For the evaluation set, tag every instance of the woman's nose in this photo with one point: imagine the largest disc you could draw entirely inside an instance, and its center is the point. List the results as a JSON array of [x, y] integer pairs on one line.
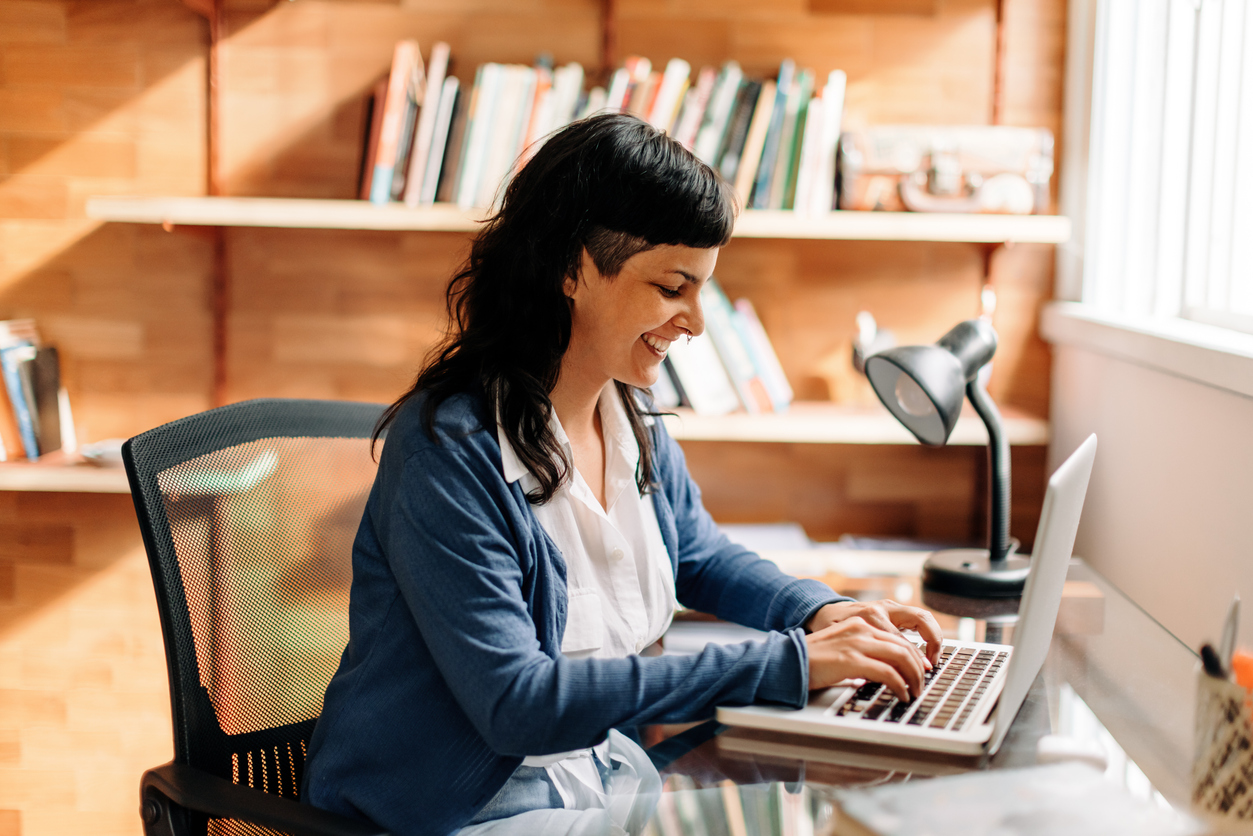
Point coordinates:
[[692, 319]]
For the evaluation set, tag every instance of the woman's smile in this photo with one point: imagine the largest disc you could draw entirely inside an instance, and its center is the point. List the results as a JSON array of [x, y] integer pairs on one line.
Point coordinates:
[[658, 345]]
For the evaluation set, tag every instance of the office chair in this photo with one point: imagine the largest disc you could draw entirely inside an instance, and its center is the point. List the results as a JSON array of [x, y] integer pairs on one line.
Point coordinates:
[[248, 515]]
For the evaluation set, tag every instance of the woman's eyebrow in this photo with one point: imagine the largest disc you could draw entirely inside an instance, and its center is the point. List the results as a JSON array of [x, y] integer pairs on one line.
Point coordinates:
[[687, 276]]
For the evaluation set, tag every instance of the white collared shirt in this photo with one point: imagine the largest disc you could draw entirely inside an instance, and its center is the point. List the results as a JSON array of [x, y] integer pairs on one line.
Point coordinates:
[[619, 578]]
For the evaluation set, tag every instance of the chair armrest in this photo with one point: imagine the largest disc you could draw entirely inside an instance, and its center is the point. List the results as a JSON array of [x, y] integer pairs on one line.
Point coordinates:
[[198, 791]]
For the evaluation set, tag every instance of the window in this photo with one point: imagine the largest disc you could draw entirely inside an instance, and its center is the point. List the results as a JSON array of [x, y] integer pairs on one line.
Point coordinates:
[[1170, 180]]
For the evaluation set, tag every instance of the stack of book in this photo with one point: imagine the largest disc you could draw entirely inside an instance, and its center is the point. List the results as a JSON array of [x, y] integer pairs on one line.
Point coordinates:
[[34, 410], [731, 366], [429, 138]]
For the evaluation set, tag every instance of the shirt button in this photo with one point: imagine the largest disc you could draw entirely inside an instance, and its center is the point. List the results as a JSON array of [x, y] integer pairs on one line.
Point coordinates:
[[617, 554]]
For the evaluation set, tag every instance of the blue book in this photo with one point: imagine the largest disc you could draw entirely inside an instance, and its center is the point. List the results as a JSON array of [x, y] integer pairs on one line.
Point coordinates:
[[770, 152], [11, 359]]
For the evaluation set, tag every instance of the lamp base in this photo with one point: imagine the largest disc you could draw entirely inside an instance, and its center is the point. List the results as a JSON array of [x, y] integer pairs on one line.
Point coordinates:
[[969, 573]]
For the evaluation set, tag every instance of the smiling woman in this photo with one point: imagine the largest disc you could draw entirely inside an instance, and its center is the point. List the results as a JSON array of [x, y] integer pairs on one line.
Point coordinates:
[[532, 529]]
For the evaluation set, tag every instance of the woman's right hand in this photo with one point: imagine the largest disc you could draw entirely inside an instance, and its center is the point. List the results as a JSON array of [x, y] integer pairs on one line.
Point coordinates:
[[854, 649]]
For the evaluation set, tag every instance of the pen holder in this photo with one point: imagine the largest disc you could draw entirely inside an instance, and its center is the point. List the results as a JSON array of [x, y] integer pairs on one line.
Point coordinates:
[[1222, 765]]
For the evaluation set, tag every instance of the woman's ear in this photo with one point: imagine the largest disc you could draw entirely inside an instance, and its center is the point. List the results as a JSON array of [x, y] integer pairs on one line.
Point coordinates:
[[587, 268]]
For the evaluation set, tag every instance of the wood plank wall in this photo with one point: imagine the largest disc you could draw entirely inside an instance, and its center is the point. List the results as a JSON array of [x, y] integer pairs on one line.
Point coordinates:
[[108, 96]]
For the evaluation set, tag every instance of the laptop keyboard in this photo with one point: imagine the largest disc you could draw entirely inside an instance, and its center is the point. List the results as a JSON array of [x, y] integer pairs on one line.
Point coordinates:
[[951, 691]]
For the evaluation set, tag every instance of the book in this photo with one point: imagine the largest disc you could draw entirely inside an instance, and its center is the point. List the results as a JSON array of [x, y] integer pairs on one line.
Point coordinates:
[[787, 188], [567, 85], [45, 373], [751, 158], [13, 332], [670, 90], [508, 121], [676, 383], [760, 197], [439, 140], [665, 396], [703, 378], [732, 350], [637, 69], [541, 106], [21, 397], [694, 104], [405, 78], [809, 158], [437, 69], [764, 355], [400, 171], [787, 132], [487, 83], [822, 199], [728, 155], [616, 94], [595, 103], [450, 166], [714, 122], [643, 94], [369, 148]]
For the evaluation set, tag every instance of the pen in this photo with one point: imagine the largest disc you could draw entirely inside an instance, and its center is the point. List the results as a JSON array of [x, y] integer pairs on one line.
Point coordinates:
[[1209, 660], [1227, 646]]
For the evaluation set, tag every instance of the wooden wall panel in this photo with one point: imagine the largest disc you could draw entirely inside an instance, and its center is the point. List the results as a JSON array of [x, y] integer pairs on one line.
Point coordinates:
[[109, 97], [105, 98], [897, 491], [84, 699]]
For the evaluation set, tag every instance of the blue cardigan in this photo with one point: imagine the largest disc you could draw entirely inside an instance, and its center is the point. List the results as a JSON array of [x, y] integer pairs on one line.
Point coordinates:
[[453, 671]]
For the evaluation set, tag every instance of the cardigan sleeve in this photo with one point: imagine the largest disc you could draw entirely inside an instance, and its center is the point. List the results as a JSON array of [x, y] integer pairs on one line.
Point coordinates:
[[458, 562], [723, 578]]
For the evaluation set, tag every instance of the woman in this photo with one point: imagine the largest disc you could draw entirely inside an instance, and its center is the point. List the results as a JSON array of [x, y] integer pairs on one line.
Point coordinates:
[[531, 527]]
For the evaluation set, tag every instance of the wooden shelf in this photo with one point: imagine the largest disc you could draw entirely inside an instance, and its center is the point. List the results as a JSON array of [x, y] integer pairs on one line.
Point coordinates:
[[359, 214], [64, 477], [826, 423]]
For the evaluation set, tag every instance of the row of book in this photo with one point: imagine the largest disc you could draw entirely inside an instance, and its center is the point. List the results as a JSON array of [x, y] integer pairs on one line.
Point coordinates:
[[430, 138], [35, 416], [731, 366]]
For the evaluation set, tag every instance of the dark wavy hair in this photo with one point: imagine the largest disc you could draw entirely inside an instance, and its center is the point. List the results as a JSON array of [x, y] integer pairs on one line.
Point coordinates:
[[611, 184]]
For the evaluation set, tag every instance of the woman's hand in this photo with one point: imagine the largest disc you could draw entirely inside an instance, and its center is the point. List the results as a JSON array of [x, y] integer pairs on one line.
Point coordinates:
[[855, 648], [886, 615], [863, 639]]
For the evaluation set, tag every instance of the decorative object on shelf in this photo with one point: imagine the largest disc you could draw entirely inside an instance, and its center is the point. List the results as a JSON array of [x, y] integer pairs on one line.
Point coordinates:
[[922, 386], [985, 168]]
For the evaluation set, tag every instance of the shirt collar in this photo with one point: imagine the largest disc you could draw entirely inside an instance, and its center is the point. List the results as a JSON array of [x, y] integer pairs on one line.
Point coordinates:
[[619, 440]]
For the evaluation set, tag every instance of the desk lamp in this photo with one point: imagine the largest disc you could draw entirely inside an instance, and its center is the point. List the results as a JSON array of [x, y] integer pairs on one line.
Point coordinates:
[[922, 386]]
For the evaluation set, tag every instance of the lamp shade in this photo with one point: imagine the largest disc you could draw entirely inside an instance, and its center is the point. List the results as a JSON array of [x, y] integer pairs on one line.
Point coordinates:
[[923, 385]]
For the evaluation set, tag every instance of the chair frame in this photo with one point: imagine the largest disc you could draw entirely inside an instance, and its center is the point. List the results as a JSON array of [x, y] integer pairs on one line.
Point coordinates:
[[173, 795]]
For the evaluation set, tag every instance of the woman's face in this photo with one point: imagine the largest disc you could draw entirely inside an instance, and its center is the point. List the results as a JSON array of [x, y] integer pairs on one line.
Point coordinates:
[[621, 327]]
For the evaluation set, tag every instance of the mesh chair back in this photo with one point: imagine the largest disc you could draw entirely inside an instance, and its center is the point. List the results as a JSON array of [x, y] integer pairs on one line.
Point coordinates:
[[248, 514]]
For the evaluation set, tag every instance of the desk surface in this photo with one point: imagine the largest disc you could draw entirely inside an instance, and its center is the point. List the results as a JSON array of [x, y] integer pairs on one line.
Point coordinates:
[[1113, 676]]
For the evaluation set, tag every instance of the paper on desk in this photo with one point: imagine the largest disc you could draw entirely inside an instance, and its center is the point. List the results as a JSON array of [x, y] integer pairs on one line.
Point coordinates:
[[1061, 800]]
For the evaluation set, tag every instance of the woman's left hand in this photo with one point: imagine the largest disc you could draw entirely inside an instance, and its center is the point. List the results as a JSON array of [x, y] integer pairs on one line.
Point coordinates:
[[886, 615]]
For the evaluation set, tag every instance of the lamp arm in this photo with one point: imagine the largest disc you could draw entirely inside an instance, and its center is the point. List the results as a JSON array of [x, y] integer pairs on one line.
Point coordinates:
[[998, 471]]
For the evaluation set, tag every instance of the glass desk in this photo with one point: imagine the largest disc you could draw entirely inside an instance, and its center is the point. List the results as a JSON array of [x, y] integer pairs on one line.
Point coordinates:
[[1114, 678]]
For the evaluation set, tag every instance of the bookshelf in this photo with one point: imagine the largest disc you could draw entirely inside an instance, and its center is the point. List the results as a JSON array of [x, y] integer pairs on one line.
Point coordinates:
[[816, 422], [804, 423], [295, 213], [63, 477]]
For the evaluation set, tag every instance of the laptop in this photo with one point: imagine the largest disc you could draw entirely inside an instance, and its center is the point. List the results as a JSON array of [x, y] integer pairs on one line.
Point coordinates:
[[972, 695]]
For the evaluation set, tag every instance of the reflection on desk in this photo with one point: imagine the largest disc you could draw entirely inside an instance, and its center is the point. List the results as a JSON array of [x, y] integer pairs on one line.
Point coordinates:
[[1114, 678]]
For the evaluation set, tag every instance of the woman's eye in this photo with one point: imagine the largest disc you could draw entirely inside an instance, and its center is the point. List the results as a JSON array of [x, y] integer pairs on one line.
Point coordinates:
[[670, 292]]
